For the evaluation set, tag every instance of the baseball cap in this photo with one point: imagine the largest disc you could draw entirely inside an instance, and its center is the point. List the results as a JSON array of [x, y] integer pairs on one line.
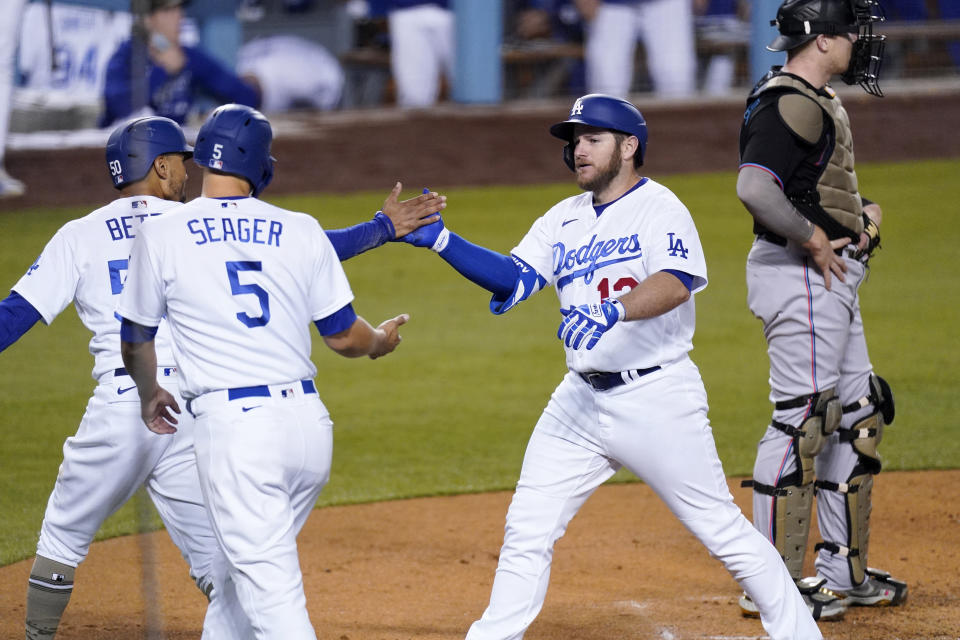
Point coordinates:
[[157, 5]]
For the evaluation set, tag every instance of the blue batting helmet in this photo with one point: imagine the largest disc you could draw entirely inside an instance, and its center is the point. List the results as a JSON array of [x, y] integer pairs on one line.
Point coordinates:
[[132, 147], [236, 139], [606, 112]]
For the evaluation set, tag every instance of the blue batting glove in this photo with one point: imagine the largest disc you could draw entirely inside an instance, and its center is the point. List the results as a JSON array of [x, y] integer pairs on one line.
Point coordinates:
[[433, 236], [424, 236], [586, 324]]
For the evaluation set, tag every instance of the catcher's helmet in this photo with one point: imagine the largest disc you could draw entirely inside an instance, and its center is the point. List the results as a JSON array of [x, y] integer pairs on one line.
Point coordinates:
[[800, 21], [606, 112], [236, 139], [132, 147]]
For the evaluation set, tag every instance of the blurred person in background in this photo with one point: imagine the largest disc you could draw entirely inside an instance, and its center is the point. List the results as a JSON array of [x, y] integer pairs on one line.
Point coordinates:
[[666, 29], [61, 64], [290, 72], [919, 10], [175, 75], [556, 21], [718, 23], [421, 48], [9, 34]]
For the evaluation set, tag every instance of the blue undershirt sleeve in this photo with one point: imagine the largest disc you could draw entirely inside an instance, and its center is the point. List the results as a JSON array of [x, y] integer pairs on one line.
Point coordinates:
[[337, 321], [16, 317], [493, 271], [130, 331], [354, 240], [683, 276]]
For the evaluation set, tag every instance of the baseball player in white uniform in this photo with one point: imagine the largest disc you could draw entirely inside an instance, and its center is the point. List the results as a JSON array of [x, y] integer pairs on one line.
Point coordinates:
[[292, 73], [239, 281], [666, 28], [422, 49], [10, 19], [625, 259], [65, 48], [112, 455]]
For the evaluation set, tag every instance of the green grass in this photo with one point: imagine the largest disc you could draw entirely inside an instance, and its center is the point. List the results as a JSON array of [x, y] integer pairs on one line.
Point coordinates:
[[451, 410]]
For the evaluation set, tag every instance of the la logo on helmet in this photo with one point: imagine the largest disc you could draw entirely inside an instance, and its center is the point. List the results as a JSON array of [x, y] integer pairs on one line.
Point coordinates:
[[577, 107]]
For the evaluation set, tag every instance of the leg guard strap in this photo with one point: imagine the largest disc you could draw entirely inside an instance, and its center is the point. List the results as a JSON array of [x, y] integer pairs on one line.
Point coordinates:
[[880, 396], [864, 437], [791, 526], [857, 491]]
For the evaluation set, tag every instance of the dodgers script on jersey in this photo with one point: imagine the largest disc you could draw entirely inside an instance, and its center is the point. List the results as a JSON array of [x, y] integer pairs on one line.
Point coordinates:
[[226, 252], [589, 258], [86, 263]]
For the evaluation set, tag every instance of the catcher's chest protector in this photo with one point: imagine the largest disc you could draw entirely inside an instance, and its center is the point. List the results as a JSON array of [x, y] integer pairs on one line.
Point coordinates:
[[837, 187]]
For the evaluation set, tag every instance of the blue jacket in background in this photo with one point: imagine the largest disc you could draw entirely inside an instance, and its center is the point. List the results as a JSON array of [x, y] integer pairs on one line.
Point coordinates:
[[171, 96]]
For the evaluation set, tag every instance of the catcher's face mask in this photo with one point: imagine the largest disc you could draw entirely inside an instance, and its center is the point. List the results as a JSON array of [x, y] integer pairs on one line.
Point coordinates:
[[799, 21], [867, 55]]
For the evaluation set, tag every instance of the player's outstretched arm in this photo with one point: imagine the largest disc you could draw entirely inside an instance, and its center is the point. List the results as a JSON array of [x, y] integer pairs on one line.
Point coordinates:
[[157, 405], [16, 317], [396, 219], [493, 271], [361, 339]]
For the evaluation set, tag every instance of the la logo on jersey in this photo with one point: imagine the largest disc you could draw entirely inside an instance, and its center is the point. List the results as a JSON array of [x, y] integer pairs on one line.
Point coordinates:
[[676, 247], [34, 266], [577, 108]]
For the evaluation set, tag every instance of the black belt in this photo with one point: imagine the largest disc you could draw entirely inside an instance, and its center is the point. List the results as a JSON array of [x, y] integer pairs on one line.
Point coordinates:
[[772, 237], [602, 381], [850, 249]]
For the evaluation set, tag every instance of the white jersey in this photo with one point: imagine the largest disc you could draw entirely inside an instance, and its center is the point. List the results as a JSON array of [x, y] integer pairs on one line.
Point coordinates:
[[84, 38], [293, 72], [260, 274], [85, 263], [587, 259]]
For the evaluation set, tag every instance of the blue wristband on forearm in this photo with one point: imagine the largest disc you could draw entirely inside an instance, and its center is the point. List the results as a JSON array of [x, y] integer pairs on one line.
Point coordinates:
[[354, 240]]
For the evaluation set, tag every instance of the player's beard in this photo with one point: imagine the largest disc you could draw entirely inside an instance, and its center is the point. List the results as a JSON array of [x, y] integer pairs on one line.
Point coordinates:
[[605, 175]]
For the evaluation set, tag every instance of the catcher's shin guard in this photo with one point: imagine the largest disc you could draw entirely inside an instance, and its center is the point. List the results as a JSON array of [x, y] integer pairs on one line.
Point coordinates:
[[793, 494], [864, 436], [857, 493]]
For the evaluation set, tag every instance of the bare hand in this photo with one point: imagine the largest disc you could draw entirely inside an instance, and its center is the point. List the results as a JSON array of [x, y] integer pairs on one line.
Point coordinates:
[[414, 213], [156, 411], [390, 338], [822, 250]]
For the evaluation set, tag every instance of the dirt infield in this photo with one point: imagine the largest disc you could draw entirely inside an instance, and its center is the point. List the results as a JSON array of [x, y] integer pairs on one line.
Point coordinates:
[[423, 568]]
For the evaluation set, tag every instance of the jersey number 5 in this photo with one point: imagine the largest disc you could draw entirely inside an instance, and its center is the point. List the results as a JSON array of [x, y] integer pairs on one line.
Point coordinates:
[[237, 289]]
